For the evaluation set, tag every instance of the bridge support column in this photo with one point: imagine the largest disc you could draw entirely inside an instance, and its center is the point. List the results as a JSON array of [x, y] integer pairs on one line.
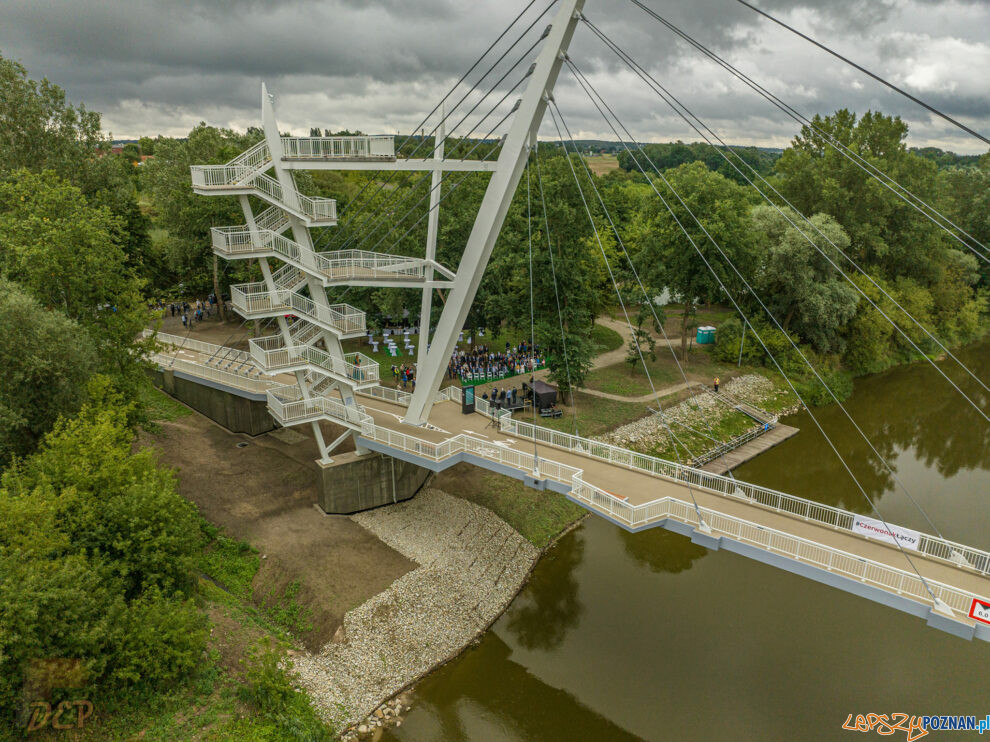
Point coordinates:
[[353, 482]]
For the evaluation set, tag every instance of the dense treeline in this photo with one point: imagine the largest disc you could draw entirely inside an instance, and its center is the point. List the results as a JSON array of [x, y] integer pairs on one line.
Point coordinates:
[[675, 154], [99, 553], [744, 250], [88, 238]]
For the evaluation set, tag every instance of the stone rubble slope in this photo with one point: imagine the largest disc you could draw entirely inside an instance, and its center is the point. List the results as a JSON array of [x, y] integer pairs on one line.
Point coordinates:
[[651, 432], [472, 564]]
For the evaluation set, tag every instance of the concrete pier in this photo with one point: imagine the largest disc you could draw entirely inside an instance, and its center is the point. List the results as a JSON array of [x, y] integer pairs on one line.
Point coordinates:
[[238, 410], [352, 483]]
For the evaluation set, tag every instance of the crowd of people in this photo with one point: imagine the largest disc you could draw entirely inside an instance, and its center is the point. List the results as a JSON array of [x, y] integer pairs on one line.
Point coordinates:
[[188, 313], [482, 363], [404, 376]]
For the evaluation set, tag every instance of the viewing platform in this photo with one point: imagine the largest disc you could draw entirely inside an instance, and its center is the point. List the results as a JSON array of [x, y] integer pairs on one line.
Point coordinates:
[[227, 180], [273, 356]]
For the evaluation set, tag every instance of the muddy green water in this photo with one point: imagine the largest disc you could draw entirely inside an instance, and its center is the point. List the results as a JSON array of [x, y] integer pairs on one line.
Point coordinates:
[[628, 636]]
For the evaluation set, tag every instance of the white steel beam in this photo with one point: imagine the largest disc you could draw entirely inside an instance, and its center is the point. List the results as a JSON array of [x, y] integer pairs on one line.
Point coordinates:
[[426, 305], [300, 233], [494, 206], [480, 166]]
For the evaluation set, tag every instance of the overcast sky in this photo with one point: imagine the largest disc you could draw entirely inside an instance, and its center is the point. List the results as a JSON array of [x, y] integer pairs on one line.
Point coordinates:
[[161, 66]]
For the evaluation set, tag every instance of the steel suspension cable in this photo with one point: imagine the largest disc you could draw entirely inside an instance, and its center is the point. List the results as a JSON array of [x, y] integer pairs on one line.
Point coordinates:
[[426, 174], [532, 313], [862, 433], [440, 183], [665, 94], [885, 180], [671, 100], [773, 358], [556, 293], [450, 113], [649, 302], [663, 418], [865, 71]]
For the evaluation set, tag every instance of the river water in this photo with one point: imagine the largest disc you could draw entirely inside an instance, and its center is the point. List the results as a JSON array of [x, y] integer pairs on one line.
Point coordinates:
[[648, 636]]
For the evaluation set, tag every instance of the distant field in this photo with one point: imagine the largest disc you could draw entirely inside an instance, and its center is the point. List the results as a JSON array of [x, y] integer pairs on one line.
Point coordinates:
[[601, 164]]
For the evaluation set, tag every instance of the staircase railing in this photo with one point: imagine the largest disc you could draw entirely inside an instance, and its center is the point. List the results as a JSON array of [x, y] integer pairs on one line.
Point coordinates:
[[254, 298], [272, 354]]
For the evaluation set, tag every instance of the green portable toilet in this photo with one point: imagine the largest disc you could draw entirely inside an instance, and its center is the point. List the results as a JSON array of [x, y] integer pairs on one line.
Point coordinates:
[[706, 335]]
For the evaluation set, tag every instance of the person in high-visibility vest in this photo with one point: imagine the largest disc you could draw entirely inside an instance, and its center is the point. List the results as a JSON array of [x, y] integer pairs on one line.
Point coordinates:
[[716, 385]]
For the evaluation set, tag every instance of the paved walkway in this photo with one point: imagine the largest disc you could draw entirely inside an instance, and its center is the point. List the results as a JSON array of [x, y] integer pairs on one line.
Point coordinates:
[[647, 398], [635, 487]]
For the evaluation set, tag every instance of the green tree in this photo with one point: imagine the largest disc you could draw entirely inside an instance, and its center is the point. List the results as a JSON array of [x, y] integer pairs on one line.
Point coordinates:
[[97, 550], [186, 216], [147, 146], [884, 231], [46, 360], [66, 252], [805, 293], [132, 152], [40, 130], [665, 257], [964, 196]]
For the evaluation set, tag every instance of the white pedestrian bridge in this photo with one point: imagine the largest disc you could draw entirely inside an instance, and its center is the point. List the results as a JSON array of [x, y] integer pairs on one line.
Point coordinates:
[[944, 582]]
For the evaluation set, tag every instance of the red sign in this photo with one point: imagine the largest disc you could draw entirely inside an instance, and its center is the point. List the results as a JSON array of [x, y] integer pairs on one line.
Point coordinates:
[[980, 610]]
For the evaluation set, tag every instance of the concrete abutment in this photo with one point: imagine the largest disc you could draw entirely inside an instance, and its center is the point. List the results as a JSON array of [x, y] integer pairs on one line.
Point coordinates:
[[352, 482]]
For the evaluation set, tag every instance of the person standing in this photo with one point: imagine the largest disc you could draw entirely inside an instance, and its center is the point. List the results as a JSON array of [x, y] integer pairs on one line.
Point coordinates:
[[716, 385]]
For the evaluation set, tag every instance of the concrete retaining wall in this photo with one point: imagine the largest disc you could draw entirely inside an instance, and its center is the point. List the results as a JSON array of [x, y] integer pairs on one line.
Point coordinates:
[[237, 410], [353, 483]]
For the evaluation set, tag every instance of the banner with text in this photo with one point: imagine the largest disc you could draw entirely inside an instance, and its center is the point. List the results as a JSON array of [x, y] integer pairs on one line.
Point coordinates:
[[895, 534]]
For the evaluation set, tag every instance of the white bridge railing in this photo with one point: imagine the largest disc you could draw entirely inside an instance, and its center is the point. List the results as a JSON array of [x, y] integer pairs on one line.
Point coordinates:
[[289, 407], [201, 370], [836, 561], [272, 355], [330, 148], [255, 299], [221, 177], [832, 560], [809, 510]]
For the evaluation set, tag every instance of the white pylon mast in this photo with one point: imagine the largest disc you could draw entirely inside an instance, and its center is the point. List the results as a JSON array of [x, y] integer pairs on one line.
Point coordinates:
[[494, 205], [426, 306]]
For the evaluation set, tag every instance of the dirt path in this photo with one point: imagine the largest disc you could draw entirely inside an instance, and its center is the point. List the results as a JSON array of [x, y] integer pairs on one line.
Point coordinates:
[[265, 493], [612, 357], [651, 397]]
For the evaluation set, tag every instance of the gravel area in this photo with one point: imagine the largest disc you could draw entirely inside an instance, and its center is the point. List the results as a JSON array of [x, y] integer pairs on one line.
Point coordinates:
[[472, 564], [650, 432]]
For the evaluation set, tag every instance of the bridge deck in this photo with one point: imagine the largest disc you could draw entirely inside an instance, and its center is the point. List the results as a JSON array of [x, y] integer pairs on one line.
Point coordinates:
[[766, 534], [638, 487]]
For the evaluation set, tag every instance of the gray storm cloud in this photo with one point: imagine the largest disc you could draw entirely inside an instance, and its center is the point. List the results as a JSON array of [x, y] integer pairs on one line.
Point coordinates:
[[161, 66]]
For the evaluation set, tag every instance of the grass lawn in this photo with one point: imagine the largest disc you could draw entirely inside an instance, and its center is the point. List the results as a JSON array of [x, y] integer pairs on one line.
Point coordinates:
[[605, 339], [210, 705], [732, 424], [594, 415], [629, 381], [539, 516], [161, 407]]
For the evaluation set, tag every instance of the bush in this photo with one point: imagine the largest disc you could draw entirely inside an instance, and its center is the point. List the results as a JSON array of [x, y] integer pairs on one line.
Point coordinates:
[[97, 550], [46, 360], [272, 690]]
